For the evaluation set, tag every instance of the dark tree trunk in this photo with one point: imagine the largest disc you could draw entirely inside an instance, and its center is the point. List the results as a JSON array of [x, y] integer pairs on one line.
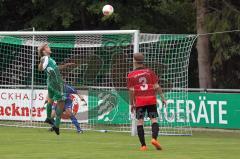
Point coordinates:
[[83, 19], [204, 62]]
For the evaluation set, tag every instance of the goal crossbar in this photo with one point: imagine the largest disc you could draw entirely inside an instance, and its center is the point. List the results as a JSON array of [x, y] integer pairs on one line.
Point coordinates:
[[95, 32]]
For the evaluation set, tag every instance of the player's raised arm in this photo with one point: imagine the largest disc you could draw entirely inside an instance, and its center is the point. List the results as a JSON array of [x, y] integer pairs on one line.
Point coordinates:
[[65, 66], [43, 63]]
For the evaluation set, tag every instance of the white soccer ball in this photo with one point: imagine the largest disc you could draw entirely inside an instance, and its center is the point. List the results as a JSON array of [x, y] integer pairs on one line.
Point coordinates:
[[107, 10]]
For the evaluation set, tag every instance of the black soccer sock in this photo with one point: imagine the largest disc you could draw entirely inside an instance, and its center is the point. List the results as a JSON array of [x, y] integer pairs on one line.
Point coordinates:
[[141, 137], [155, 130]]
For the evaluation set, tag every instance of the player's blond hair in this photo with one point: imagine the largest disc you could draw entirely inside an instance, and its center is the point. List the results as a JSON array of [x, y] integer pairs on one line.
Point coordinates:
[[41, 48]]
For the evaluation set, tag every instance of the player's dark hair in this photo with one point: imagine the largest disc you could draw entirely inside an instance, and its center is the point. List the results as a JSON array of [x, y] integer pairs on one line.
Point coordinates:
[[139, 58]]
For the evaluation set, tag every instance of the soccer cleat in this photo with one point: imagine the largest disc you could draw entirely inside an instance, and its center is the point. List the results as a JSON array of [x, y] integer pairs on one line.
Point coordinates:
[[143, 148], [156, 144], [80, 131], [56, 130]]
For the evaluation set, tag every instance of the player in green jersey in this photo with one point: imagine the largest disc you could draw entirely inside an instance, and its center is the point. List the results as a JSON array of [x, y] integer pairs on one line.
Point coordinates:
[[55, 83], [49, 102]]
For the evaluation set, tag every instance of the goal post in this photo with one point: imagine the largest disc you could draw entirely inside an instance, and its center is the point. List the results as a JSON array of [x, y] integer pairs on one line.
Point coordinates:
[[102, 60], [133, 115]]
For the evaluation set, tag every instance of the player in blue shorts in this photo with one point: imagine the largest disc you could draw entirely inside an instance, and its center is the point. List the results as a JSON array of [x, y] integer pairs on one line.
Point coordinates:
[[68, 107]]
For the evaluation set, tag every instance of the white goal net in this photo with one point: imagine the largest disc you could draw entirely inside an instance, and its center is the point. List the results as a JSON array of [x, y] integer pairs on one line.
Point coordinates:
[[102, 60]]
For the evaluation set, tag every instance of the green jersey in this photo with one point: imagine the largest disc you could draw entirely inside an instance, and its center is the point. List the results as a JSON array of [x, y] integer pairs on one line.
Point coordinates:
[[55, 82]]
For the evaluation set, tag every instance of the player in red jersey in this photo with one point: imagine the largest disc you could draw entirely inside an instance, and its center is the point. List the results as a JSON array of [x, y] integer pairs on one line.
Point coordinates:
[[143, 88]]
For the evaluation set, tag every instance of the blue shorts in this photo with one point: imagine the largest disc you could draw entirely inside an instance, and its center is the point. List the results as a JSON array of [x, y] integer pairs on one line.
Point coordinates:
[[67, 105], [68, 90]]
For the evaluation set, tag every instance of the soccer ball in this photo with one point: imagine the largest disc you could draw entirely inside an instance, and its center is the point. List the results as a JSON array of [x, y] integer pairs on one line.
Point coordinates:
[[107, 10]]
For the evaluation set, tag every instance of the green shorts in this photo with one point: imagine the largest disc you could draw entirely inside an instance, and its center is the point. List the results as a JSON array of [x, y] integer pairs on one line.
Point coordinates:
[[56, 94]]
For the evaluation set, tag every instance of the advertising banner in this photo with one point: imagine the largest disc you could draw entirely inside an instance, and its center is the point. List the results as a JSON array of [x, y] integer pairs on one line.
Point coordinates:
[[108, 107], [213, 110], [25, 105], [22, 104]]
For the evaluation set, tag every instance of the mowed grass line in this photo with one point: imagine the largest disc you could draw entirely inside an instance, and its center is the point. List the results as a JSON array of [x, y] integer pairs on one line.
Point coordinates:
[[24, 143]]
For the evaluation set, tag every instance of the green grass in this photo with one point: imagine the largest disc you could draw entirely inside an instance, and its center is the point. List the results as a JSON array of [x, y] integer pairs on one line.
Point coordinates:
[[16, 143]]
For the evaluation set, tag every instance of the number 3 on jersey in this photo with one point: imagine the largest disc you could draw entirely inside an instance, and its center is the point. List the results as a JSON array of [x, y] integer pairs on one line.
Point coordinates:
[[143, 82]]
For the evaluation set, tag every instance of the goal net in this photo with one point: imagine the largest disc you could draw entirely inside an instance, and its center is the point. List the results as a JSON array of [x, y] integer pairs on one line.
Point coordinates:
[[102, 61]]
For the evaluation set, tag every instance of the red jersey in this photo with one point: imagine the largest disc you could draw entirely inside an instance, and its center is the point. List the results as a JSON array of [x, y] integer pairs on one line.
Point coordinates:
[[143, 81]]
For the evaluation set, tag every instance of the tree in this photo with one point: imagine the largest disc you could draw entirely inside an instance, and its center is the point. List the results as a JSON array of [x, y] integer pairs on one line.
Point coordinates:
[[204, 62], [224, 15]]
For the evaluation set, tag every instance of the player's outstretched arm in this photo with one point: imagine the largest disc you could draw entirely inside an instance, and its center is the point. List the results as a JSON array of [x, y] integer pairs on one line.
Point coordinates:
[[67, 65], [82, 99]]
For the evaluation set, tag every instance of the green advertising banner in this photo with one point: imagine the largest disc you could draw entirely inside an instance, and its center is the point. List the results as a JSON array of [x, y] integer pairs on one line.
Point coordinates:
[[108, 107], [213, 110]]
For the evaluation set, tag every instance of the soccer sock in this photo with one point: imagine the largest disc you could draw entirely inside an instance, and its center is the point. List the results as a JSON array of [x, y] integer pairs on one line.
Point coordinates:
[[141, 137], [74, 121], [49, 110], [155, 130], [58, 117]]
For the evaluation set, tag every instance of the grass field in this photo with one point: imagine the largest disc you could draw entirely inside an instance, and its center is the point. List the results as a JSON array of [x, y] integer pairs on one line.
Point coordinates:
[[16, 143]]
